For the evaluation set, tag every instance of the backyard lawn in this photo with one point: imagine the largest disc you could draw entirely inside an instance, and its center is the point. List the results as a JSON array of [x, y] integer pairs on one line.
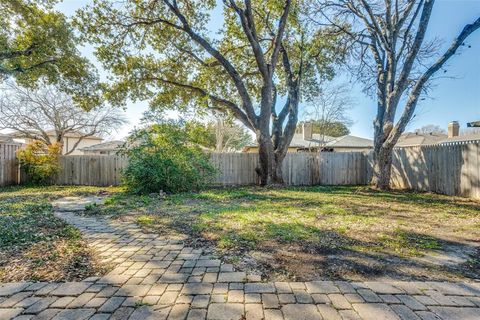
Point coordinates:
[[320, 232], [351, 233], [34, 244]]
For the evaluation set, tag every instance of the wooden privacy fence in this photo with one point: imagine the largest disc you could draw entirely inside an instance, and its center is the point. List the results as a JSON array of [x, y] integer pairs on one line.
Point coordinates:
[[8, 164], [90, 170], [233, 169], [452, 169], [327, 168]]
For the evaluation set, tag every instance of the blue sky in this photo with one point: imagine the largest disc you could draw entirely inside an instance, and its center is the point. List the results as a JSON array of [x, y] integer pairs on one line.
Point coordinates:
[[451, 99]]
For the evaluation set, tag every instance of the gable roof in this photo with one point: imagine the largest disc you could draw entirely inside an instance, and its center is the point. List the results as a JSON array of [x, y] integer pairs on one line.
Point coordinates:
[[317, 139], [461, 138], [73, 134], [410, 139], [6, 138], [349, 141], [104, 146]]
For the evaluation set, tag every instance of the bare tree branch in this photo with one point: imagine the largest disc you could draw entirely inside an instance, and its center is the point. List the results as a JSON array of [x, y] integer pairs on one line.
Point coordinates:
[[46, 112]]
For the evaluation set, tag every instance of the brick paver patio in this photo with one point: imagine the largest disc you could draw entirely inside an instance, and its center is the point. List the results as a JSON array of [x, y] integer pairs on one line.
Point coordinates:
[[155, 277]]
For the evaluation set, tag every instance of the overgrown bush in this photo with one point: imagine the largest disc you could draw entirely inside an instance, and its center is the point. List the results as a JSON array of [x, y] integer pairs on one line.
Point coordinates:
[[40, 161], [162, 157]]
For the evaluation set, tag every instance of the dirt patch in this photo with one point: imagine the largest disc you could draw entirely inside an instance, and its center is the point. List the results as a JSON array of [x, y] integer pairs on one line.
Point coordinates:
[[294, 264], [315, 233], [37, 246], [59, 260]]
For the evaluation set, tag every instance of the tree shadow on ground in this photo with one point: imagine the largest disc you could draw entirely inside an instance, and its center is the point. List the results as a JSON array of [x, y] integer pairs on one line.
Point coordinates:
[[297, 250], [289, 253]]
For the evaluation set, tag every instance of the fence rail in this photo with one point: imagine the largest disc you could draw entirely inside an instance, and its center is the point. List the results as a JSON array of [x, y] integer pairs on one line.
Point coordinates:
[[8, 164], [452, 169]]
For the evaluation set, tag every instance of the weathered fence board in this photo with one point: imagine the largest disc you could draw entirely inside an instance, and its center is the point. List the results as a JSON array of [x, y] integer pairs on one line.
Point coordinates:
[[452, 169], [298, 168], [90, 170], [8, 164], [233, 169]]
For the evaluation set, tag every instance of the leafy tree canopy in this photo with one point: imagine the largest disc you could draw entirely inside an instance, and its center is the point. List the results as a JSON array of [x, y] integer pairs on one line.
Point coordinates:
[[153, 54], [200, 134], [166, 52], [40, 161], [38, 42]]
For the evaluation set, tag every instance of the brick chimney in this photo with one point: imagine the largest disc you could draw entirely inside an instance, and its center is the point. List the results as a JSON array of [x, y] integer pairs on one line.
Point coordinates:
[[453, 129], [307, 130]]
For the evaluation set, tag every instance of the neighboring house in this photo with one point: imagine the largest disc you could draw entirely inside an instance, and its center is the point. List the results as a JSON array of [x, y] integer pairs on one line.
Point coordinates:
[[6, 138], [412, 139], [104, 148], [348, 143], [307, 141], [69, 141], [455, 136]]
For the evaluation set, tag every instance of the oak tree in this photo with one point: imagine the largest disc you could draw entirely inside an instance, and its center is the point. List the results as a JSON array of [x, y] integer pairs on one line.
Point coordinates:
[[37, 42], [256, 67]]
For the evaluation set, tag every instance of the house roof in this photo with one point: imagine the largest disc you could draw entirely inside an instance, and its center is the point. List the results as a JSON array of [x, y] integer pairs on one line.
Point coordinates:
[[347, 141], [73, 134], [6, 138], [299, 141], [104, 146], [67, 135], [461, 138], [410, 139], [350, 141]]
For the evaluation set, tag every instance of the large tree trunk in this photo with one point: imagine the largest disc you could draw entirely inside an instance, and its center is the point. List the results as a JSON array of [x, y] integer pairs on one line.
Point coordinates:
[[382, 168], [278, 167], [270, 167]]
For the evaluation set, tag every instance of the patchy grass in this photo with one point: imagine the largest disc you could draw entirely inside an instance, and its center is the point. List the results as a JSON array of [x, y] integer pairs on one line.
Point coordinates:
[[320, 232], [37, 246]]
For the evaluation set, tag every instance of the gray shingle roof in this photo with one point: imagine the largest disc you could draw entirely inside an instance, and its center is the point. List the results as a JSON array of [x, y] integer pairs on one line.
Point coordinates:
[[317, 139], [410, 139], [350, 141], [104, 146], [6, 138], [462, 138], [347, 141], [52, 133]]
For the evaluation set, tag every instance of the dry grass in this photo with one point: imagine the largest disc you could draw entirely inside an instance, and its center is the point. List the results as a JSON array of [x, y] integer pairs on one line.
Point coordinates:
[[37, 246], [321, 232]]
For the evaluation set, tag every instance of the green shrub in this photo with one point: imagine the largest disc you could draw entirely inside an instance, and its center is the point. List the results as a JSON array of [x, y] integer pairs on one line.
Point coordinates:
[[40, 161], [162, 157]]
